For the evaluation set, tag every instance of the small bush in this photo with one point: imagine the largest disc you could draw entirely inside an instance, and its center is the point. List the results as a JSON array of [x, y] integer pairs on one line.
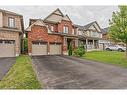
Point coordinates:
[[25, 45], [80, 51]]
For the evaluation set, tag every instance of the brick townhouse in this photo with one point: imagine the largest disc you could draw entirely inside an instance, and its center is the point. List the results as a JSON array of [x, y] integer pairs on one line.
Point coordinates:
[[51, 35]]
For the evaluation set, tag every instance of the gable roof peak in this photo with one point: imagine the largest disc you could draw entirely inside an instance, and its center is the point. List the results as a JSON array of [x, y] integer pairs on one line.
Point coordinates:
[[38, 22], [66, 17], [89, 24], [58, 12], [55, 16]]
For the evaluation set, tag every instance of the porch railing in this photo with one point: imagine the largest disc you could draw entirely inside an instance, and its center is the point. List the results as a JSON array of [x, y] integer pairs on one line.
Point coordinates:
[[90, 47]]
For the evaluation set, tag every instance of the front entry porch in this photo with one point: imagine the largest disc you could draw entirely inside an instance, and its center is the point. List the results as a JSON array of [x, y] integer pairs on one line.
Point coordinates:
[[90, 44], [67, 41]]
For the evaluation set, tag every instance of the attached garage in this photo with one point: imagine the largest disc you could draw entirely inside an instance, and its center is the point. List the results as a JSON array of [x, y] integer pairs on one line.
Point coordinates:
[[7, 48], [55, 48], [39, 48]]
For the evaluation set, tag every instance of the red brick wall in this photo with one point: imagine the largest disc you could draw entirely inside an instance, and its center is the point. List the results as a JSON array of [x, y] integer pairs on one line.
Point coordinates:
[[54, 25], [41, 33], [65, 23]]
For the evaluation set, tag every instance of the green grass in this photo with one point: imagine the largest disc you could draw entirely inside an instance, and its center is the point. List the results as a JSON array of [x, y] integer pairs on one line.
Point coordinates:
[[110, 57], [21, 75]]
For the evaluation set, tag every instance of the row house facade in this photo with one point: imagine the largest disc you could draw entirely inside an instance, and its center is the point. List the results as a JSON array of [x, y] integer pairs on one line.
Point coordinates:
[[55, 33], [11, 33], [107, 40], [90, 35]]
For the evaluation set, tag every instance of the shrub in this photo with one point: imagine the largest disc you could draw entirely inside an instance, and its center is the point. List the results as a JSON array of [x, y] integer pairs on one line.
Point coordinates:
[[80, 51], [25, 45], [70, 50]]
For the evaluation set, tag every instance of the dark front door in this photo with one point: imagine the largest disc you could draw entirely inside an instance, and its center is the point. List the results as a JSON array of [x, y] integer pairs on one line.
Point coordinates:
[[69, 42]]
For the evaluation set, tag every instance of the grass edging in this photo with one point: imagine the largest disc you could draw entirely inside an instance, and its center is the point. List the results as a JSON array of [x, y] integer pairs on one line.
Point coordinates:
[[108, 57], [21, 75]]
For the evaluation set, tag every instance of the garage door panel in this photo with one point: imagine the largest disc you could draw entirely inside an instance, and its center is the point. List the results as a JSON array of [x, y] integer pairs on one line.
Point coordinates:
[[55, 49], [7, 50], [39, 49]]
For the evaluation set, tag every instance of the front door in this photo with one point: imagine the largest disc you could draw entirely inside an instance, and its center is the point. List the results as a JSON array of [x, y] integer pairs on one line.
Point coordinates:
[[69, 42]]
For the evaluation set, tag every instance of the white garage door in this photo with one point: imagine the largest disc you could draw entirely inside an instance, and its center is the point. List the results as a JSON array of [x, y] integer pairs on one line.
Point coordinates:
[[7, 48], [55, 49], [39, 49]]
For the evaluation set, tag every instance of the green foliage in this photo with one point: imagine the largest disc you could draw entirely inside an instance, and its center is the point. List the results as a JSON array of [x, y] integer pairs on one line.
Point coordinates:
[[118, 25], [80, 51], [25, 45], [21, 75], [107, 57], [70, 50]]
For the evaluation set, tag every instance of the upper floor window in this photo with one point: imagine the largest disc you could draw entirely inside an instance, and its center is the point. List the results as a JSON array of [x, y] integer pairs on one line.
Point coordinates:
[[11, 22], [65, 29], [49, 30], [80, 32], [52, 28], [95, 34]]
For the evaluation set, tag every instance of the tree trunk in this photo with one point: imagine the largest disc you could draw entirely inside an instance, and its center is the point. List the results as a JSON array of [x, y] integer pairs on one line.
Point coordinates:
[[126, 49]]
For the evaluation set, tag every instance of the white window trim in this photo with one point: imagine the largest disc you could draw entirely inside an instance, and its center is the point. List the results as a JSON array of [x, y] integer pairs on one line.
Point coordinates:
[[65, 29], [11, 22], [52, 28]]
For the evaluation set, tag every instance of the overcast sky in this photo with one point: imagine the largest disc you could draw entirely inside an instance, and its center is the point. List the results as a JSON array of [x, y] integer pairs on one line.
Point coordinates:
[[79, 14]]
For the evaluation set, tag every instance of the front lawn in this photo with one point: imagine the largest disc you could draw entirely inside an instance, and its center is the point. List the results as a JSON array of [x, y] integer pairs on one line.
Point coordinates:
[[21, 75], [111, 57]]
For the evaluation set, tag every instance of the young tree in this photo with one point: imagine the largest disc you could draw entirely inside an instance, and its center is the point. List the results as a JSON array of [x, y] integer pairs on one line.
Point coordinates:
[[118, 25]]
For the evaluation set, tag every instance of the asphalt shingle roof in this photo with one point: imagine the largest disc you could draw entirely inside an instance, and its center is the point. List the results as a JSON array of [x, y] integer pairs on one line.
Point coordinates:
[[88, 25], [9, 12]]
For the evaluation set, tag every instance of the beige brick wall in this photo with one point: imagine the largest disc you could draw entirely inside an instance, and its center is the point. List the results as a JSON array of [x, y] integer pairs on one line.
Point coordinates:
[[8, 35], [17, 20], [1, 19]]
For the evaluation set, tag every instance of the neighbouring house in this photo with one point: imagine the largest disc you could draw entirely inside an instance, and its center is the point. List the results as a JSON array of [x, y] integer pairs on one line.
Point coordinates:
[[11, 33], [107, 39], [90, 35], [51, 35]]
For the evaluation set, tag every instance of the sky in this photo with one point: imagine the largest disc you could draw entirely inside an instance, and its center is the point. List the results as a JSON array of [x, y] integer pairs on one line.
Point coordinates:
[[80, 15]]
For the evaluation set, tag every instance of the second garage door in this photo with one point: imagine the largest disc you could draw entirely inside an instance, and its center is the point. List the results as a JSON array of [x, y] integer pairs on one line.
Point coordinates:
[[55, 49], [39, 49], [7, 48]]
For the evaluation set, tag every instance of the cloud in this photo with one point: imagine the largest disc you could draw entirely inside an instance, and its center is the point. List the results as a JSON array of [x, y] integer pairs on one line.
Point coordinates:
[[79, 14]]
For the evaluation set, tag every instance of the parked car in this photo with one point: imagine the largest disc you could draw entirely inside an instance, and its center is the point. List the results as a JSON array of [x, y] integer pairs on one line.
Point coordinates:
[[116, 48]]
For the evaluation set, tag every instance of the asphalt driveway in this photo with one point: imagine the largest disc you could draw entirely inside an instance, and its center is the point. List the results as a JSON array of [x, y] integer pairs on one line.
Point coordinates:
[[64, 72], [5, 64]]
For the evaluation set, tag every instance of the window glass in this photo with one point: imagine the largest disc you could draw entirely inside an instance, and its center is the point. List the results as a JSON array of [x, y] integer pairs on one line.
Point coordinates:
[[11, 22], [9, 42], [65, 29], [94, 34]]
